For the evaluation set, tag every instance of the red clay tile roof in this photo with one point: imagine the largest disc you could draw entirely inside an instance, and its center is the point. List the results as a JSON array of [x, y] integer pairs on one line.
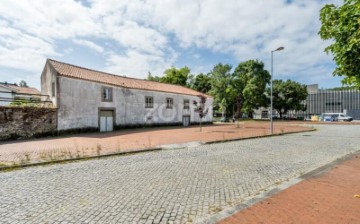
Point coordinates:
[[20, 89], [72, 71], [26, 90]]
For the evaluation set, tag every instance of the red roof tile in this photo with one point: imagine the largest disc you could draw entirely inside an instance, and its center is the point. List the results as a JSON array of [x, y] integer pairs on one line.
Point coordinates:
[[19, 89], [72, 71], [26, 90]]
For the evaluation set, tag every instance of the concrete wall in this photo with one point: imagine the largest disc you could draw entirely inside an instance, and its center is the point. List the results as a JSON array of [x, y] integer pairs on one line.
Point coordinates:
[[79, 103]]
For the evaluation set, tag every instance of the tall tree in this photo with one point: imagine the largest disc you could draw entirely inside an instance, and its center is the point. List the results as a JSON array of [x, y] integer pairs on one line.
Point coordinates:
[[201, 83], [23, 84], [288, 95], [220, 82], [342, 24], [249, 86], [153, 78], [200, 108], [173, 75], [176, 76]]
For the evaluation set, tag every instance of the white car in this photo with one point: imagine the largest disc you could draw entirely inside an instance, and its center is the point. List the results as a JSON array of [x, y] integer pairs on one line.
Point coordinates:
[[336, 117]]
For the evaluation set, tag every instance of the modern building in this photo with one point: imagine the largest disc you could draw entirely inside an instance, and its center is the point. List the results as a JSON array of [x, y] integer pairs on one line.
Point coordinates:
[[333, 101], [10, 93], [87, 98], [322, 101]]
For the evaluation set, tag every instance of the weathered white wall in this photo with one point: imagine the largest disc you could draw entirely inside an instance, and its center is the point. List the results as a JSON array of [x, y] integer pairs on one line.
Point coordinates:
[[6, 95], [48, 76], [80, 100]]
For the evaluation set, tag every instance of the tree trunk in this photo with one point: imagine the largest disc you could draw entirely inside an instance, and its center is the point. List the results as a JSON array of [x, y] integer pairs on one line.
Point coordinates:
[[238, 114]]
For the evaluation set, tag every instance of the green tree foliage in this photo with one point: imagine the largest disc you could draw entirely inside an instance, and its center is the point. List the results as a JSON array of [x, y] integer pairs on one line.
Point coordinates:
[[153, 78], [342, 24], [176, 76], [201, 83], [249, 86], [288, 95], [342, 88], [23, 84], [221, 77], [173, 75]]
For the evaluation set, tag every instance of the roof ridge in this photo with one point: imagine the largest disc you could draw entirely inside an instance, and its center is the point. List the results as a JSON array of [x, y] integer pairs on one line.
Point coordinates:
[[107, 73], [8, 87]]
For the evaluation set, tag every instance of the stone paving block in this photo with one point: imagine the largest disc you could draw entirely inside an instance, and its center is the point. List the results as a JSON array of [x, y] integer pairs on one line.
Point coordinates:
[[182, 185]]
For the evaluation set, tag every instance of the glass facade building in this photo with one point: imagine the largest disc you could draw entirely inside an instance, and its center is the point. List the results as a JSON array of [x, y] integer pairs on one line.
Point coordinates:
[[333, 101]]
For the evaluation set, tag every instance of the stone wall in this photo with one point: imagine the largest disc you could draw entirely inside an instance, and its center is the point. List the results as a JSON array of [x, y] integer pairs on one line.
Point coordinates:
[[25, 122]]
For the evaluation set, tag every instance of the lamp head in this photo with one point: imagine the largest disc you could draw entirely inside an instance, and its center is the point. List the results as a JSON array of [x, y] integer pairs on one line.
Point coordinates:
[[280, 49]]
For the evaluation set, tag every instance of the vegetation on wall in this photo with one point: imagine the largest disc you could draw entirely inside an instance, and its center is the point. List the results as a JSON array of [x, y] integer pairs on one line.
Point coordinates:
[[26, 102]]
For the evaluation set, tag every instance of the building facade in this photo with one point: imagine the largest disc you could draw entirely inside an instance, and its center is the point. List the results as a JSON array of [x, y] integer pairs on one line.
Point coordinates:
[[10, 93], [323, 101], [333, 101], [92, 99]]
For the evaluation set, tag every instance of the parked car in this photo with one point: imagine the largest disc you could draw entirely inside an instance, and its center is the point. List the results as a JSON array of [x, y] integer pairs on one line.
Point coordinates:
[[336, 117]]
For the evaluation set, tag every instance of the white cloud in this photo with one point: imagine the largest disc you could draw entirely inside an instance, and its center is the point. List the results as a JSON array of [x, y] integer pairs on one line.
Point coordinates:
[[137, 65], [89, 44], [50, 19], [23, 51], [142, 35]]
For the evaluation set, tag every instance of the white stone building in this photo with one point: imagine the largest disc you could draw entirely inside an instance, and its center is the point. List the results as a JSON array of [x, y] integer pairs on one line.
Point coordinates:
[[87, 98]]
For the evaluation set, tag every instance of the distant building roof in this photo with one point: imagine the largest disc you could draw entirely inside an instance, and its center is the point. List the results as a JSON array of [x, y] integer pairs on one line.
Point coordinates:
[[21, 89], [73, 71], [26, 90]]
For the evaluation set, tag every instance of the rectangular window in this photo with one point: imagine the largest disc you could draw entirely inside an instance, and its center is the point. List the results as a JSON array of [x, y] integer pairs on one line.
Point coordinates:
[[186, 104], [169, 103], [106, 94], [149, 102], [53, 89]]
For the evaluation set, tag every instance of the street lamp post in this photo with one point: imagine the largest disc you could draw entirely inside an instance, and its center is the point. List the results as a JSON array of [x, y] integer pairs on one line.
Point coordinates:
[[271, 89]]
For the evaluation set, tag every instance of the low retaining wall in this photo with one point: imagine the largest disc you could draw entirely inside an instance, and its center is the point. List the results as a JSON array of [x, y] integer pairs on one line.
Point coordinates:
[[26, 122]]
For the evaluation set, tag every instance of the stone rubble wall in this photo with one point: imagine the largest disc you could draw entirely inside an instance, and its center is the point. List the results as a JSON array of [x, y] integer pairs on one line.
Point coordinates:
[[26, 122]]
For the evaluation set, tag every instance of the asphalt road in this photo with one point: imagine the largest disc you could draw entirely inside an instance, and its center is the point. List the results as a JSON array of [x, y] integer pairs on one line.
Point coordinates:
[[170, 186]]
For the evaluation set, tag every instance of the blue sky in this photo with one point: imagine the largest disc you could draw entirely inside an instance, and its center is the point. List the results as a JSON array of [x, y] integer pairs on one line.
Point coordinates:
[[134, 37]]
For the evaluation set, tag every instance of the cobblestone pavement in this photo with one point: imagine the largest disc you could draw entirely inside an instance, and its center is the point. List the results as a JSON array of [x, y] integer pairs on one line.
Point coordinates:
[[94, 144], [170, 186]]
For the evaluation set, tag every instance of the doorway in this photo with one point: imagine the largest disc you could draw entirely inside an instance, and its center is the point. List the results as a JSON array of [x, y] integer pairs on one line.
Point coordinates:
[[106, 121], [186, 120]]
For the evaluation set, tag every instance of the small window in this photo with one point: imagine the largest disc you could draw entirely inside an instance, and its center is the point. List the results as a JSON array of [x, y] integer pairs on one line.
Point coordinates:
[[149, 102], [106, 94], [53, 89], [186, 104], [169, 103]]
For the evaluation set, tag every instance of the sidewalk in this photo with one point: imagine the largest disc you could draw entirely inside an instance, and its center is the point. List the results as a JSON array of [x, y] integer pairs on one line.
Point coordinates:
[[327, 198], [95, 144]]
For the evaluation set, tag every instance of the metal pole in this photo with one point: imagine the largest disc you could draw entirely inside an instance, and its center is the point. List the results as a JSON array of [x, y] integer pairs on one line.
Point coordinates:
[[271, 94]]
